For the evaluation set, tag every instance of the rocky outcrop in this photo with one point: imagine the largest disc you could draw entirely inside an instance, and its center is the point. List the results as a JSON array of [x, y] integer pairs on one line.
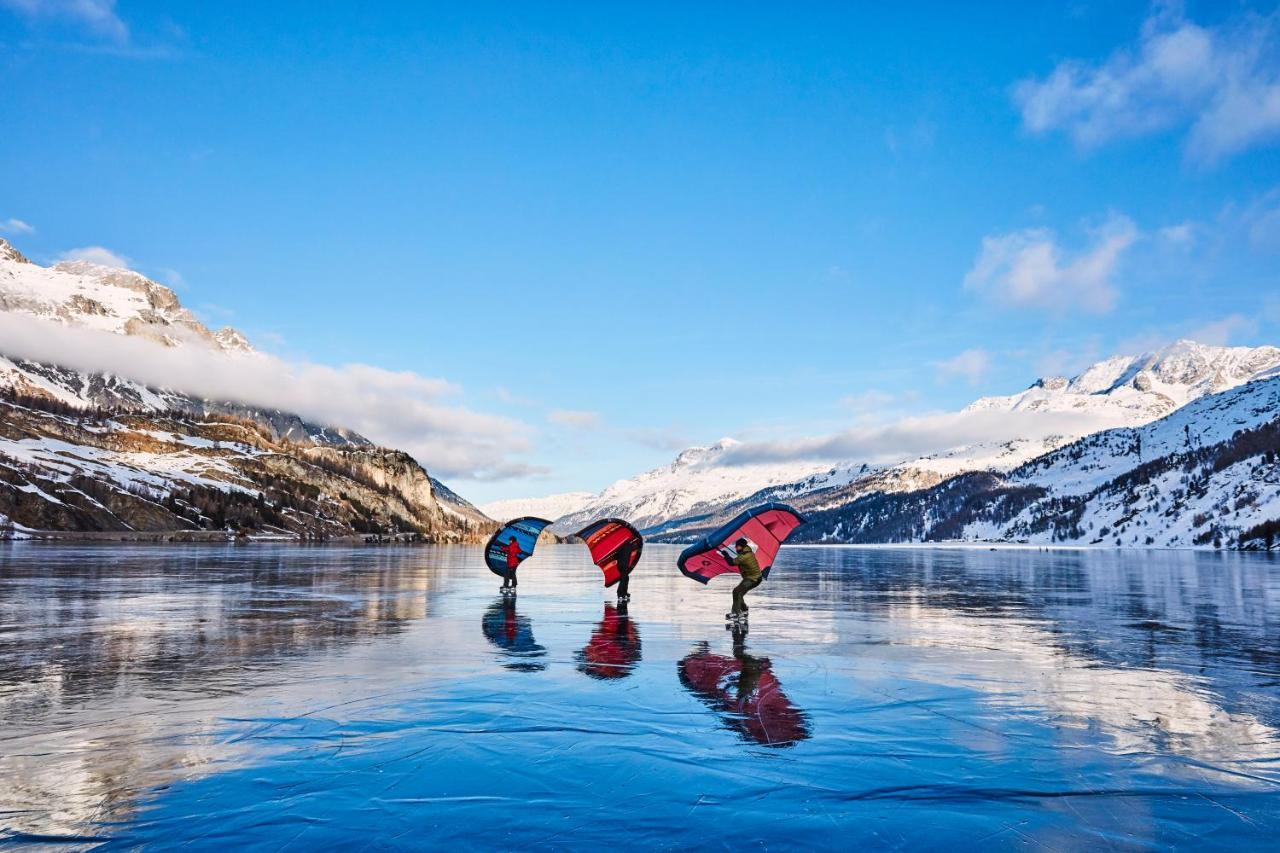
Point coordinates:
[[117, 470]]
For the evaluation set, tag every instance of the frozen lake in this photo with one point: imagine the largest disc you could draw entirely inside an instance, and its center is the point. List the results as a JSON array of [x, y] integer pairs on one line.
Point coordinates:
[[301, 698]]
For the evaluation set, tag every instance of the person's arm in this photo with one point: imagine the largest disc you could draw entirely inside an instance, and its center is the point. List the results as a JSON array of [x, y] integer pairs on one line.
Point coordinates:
[[728, 558]]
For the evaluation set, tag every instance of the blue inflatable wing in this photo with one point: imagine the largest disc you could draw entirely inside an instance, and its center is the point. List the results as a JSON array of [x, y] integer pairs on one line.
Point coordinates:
[[525, 531]]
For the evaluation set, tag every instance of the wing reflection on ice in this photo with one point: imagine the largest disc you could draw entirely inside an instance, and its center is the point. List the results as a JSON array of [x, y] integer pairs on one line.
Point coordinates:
[[744, 693], [513, 634], [614, 647]]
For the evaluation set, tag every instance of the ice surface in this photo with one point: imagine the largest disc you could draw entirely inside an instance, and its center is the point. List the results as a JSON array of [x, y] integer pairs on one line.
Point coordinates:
[[333, 698]]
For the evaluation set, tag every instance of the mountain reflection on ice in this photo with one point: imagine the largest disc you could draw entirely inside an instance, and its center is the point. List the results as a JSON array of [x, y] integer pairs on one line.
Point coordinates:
[[326, 697]]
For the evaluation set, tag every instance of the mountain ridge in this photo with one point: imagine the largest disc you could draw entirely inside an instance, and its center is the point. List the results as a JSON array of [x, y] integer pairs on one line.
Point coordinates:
[[77, 440], [1119, 392]]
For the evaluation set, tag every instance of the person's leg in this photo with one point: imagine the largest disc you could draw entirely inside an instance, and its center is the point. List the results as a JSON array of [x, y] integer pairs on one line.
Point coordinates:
[[740, 590], [747, 587], [510, 579], [623, 583]]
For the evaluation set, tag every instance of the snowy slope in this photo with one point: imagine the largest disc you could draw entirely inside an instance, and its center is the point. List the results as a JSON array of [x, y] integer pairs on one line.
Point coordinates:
[[1122, 391], [552, 506], [1092, 461], [1206, 475]]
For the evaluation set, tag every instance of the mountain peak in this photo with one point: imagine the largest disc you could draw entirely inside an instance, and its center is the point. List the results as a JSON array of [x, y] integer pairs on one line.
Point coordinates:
[[232, 340], [690, 456], [107, 298], [9, 253], [1132, 390]]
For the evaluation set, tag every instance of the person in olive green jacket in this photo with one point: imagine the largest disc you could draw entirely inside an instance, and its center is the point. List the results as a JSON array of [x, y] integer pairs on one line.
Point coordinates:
[[749, 568]]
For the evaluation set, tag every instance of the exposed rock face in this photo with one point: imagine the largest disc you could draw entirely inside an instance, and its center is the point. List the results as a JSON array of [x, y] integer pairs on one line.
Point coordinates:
[[9, 253], [66, 470]]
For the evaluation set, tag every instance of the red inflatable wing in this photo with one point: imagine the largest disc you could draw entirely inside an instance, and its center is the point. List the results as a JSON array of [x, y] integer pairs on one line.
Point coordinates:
[[615, 547], [767, 526]]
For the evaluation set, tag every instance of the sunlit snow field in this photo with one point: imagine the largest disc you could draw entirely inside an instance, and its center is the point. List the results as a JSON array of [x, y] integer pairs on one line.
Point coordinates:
[[302, 698]]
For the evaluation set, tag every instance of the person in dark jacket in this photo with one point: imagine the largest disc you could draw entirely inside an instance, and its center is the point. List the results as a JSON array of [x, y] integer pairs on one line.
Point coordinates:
[[626, 560], [749, 568]]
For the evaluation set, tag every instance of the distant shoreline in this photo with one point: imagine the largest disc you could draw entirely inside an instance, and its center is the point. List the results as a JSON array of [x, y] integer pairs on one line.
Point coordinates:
[[189, 537], [186, 537]]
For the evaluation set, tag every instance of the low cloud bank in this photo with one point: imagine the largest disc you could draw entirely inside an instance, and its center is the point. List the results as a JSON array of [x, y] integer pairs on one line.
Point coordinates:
[[913, 437], [396, 408]]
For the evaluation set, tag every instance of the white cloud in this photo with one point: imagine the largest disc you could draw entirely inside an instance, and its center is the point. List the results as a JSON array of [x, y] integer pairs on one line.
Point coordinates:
[[1182, 235], [396, 408], [96, 16], [917, 436], [876, 405], [1221, 83], [1271, 309], [98, 255], [916, 139], [172, 277], [1028, 268], [574, 419], [869, 400], [972, 365], [16, 226], [1225, 330], [1262, 223]]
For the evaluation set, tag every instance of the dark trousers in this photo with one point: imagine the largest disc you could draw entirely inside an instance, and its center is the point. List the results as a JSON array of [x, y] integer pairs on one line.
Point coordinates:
[[510, 579], [740, 591], [623, 581]]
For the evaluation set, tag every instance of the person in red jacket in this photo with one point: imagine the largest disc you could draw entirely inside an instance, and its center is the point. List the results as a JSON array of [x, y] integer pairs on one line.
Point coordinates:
[[513, 552]]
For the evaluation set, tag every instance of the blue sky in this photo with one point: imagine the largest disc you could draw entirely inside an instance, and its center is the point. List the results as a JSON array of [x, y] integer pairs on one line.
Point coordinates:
[[628, 228]]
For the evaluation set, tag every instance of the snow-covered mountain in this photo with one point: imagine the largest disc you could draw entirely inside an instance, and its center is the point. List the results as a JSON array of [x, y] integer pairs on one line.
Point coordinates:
[[552, 506], [1140, 389], [1207, 474], [678, 501], [696, 483], [91, 296], [93, 451]]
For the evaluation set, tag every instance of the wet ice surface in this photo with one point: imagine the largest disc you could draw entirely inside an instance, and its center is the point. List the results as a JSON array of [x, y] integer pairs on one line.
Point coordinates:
[[303, 698]]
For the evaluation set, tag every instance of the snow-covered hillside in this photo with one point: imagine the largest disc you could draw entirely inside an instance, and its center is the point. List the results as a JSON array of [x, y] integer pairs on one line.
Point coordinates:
[[1207, 475], [552, 506], [698, 490], [57, 468]]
